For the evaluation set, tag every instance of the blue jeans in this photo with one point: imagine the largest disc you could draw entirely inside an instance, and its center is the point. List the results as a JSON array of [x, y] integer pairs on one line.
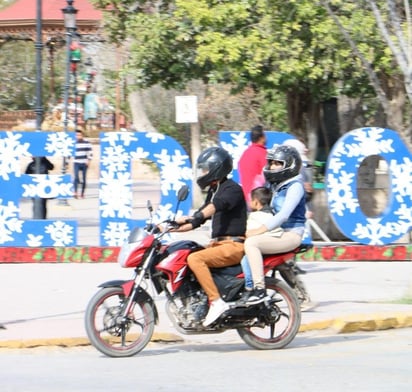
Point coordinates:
[[247, 273], [80, 168]]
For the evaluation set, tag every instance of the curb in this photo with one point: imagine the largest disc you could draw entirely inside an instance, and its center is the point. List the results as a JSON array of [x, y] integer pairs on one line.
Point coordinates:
[[108, 254], [361, 322], [77, 342], [347, 324]]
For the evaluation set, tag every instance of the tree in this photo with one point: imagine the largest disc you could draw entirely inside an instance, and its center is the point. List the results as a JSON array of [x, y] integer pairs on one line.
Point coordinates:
[[294, 48], [393, 27]]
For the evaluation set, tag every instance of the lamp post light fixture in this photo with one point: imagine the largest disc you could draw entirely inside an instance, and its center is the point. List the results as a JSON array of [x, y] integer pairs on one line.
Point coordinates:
[[69, 15]]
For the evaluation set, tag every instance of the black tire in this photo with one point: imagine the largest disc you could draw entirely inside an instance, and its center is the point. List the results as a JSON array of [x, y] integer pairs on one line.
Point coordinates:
[[108, 334], [284, 322]]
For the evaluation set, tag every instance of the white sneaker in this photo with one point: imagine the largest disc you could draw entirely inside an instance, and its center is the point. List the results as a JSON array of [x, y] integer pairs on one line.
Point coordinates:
[[216, 308]]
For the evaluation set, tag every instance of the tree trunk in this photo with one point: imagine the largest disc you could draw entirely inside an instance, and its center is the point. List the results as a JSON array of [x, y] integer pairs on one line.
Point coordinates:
[[140, 120], [197, 198], [304, 119], [398, 107]]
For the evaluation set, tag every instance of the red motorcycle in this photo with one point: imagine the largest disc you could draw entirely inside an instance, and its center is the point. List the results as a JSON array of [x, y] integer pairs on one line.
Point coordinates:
[[120, 318]]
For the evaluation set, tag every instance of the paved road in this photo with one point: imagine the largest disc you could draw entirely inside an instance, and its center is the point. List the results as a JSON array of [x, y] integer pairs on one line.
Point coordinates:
[[315, 361]]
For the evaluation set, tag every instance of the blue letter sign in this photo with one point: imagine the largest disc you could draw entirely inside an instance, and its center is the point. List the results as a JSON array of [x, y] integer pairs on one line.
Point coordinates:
[[341, 173], [118, 149], [14, 185]]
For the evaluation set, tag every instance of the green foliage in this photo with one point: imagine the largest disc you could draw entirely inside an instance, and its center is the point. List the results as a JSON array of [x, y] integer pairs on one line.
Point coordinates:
[[268, 44], [272, 46], [17, 76], [179, 132], [273, 110]]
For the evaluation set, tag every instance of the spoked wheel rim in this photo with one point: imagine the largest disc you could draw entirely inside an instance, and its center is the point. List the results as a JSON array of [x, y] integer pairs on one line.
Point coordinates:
[[112, 334], [282, 320]]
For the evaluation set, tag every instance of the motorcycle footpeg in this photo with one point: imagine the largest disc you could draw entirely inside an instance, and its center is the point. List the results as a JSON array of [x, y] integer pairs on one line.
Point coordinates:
[[267, 301]]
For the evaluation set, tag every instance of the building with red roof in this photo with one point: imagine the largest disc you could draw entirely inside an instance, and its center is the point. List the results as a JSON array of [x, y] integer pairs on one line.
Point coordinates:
[[18, 20]]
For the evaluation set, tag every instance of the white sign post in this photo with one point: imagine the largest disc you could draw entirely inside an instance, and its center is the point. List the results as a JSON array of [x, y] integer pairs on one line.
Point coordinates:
[[186, 112], [186, 109]]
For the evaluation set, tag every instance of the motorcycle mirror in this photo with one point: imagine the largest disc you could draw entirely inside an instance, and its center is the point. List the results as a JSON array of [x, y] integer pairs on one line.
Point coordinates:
[[183, 193], [149, 206]]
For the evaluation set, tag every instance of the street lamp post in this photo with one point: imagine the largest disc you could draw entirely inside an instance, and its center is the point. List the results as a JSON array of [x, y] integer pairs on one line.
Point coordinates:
[[37, 205], [69, 14], [39, 48]]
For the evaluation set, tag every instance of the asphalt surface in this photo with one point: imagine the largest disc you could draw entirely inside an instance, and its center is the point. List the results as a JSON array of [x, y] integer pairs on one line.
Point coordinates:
[[43, 304]]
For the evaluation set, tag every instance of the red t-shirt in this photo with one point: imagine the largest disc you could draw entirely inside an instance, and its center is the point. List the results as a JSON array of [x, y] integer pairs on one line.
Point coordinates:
[[250, 168]]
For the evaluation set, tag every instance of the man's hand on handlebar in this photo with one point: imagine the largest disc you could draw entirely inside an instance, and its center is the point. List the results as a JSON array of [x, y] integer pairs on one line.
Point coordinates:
[[172, 225], [182, 224]]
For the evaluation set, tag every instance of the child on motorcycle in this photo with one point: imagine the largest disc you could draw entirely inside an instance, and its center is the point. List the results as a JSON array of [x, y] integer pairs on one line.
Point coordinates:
[[224, 202], [261, 210], [288, 202]]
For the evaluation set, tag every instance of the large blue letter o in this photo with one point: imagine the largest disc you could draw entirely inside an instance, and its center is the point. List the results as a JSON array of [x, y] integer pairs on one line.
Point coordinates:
[[341, 173]]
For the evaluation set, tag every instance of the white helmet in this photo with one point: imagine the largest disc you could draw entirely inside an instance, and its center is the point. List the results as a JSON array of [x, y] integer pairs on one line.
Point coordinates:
[[300, 148]]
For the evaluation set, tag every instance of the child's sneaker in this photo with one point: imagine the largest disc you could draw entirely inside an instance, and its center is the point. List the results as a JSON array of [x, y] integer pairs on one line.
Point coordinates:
[[245, 296], [256, 296]]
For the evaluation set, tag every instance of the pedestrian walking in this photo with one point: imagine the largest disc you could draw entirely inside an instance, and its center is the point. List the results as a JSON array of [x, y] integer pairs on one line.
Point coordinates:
[[82, 157], [44, 166], [252, 162]]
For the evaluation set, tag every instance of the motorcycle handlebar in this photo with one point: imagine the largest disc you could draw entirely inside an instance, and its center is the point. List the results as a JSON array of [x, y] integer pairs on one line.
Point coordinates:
[[152, 228], [170, 225], [173, 224]]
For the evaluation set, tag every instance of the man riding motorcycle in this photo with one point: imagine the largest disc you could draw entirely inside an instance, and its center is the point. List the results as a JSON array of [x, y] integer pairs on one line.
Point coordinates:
[[120, 318], [225, 205]]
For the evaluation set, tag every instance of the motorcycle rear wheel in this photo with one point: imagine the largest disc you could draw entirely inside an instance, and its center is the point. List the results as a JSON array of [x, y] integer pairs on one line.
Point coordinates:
[[283, 326], [109, 333]]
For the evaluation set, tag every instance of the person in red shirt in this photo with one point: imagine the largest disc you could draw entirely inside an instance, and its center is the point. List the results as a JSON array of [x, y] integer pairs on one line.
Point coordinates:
[[252, 161]]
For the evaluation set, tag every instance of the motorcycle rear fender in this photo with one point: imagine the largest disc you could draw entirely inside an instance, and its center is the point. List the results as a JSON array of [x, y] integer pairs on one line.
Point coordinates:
[[273, 261], [141, 295]]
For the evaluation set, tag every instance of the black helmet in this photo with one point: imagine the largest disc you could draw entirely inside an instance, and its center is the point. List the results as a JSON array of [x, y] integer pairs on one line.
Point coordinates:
[[213, 164], [291, 160]]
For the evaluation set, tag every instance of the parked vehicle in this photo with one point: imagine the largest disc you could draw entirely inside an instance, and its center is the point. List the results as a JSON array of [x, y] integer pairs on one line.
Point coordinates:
[[120, 318]]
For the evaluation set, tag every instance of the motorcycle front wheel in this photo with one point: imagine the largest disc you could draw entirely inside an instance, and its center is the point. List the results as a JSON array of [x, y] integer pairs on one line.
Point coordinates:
[[112, 334], [282, 319]]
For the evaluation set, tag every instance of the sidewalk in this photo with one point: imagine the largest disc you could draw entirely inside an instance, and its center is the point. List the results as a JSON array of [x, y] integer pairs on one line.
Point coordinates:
[[43, 303]]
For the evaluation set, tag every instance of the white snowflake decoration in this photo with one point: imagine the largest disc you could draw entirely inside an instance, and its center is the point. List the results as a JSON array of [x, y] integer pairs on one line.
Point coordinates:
[[60, 233]]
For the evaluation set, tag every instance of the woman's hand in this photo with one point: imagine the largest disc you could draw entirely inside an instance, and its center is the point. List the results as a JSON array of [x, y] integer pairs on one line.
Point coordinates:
[[260, 230]]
